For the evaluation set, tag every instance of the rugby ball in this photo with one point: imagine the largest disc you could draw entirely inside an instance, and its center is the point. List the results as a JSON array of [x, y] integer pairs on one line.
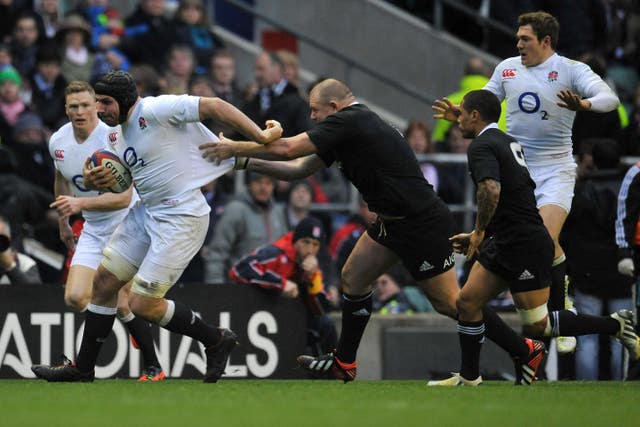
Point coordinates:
[[112, 162]]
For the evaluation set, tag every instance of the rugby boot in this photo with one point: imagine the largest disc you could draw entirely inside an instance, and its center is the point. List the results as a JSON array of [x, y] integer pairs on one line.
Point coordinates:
[[65, 372], [627, 334], [218, 354], [328, 366], [456, 380], [527, 368], [152, 373]]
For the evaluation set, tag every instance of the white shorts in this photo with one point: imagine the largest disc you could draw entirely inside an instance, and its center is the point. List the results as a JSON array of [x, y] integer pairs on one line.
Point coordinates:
[[554, 184], [90, 245], [159, 246]]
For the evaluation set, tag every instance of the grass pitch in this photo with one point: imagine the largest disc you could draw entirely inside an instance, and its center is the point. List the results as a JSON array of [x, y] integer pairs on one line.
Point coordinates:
[[185, 403]]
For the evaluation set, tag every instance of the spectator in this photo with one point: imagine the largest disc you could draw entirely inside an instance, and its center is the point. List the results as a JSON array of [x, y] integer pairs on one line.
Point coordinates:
[[107, 29], [11, 104], [24, 43], [298, 202], [180, 66], [223, 76], [147, 80], [30, 147], [15, 268], [591, 252], [23, 203], [390, 296], [74, 36], [201, 86], [277, 98], [291, 66], [193, 29], [5, 56], [418, 138], [452, 176], [47, 17], [47, 88], [249, 222], [9, 12], [148, 34], [475, 77], [290, 267]]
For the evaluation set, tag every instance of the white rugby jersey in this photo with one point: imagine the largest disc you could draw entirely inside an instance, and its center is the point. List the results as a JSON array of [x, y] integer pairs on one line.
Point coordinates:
[[69, 158], [159, 143], [533, 116]]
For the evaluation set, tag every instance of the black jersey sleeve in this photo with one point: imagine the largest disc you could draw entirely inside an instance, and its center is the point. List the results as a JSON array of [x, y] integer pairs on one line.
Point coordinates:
[[483, 161]]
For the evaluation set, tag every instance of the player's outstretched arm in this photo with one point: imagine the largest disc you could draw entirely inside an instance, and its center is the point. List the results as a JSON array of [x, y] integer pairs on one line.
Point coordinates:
[[445, 110], [280, 149], [221, 111], [287, 170]]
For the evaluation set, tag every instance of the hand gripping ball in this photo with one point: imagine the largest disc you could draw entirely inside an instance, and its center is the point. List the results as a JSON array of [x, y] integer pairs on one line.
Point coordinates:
[[112, 162]]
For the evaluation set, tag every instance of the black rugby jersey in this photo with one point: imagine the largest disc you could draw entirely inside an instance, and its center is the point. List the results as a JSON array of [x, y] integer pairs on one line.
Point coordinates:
[[376, 159], [498, 156]]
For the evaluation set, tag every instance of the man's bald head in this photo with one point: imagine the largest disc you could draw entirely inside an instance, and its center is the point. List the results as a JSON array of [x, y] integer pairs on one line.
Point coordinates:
[[328, 97], [333, 90]]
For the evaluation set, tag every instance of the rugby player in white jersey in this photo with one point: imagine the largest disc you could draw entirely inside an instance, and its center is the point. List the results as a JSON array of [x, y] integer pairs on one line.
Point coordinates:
[[69, 147], [543, 91], [158, 140]]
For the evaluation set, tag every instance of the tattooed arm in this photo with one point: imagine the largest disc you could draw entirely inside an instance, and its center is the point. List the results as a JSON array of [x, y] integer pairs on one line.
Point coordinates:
[[487, 197]]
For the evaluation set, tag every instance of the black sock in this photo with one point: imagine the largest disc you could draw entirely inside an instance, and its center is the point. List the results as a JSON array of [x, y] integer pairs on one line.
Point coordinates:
[[356, 311], [500, 333], [96, 329], [471, 336], [556, 292], [185, 322], [140, 330], [567, 323]]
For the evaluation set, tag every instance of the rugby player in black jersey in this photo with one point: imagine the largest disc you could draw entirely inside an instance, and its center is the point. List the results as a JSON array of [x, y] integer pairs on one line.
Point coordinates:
[[413, 224], [517, 252]]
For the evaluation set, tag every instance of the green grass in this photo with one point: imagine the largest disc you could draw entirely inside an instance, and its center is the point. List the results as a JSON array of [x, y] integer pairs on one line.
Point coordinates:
[[183, 403]]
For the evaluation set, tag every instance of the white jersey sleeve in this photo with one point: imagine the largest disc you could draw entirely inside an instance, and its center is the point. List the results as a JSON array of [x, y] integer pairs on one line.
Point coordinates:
[[495, 83], [589, 85]]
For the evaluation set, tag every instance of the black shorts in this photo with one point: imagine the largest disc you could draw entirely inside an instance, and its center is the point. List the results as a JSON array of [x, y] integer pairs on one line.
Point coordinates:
[[421, 241], [526, 267]]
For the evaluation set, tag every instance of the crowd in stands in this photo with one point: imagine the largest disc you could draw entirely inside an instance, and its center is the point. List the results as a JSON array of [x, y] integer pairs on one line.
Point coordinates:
[[177, 53]]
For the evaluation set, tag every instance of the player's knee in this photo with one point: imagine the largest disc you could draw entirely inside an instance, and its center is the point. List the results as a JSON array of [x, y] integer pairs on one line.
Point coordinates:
[[117, 266], [466, 307], [535, 321], [146, 299], [77, 302], [350, 284]]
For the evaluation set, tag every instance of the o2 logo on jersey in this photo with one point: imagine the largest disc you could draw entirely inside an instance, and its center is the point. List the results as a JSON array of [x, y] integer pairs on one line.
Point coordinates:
[[79, 183], [131, 158], [516, 149], [508, 73], [529, 102]]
